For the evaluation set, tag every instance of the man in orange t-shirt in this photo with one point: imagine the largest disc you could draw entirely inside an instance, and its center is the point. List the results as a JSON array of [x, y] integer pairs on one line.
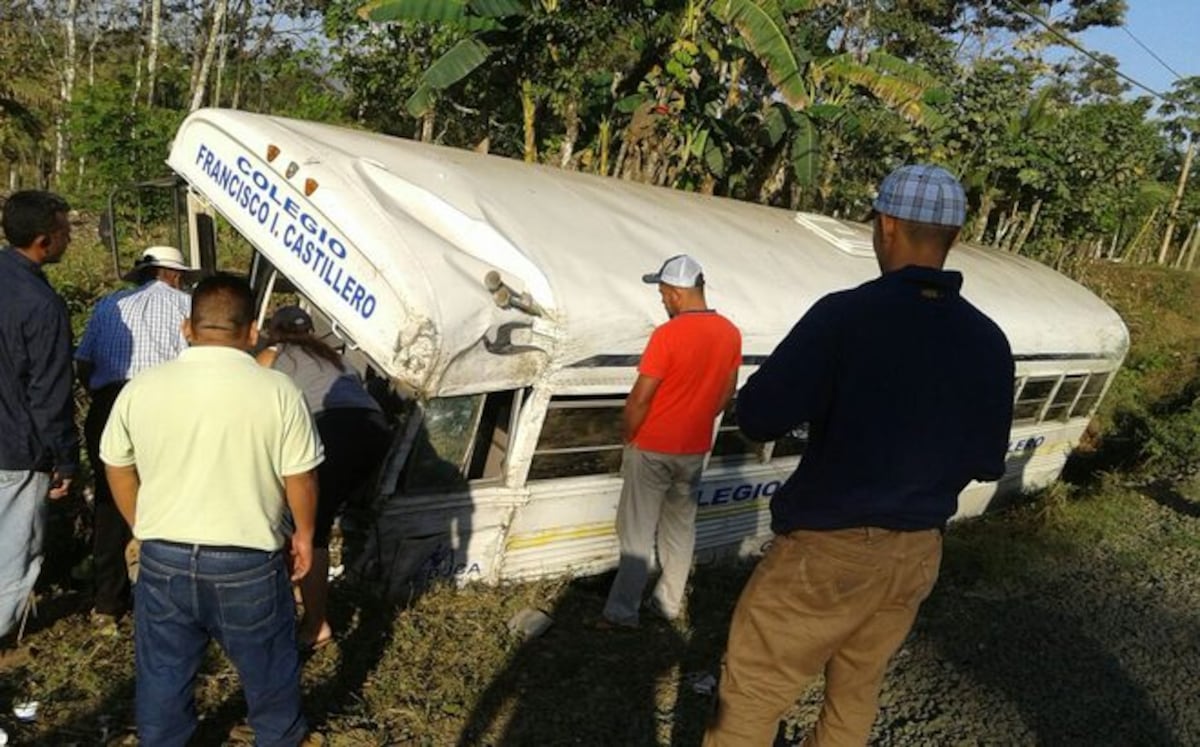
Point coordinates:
[[686, 376]]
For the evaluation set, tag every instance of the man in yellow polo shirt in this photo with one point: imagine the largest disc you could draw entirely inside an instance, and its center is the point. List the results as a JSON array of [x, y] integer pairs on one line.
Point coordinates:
[[203, 454]]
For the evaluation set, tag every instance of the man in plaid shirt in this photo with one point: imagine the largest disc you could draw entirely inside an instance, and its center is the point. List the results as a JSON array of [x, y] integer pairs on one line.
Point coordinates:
[[130, 330]]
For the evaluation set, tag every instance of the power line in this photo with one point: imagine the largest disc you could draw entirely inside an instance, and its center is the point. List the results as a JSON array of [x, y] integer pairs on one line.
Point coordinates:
[[1149, 51], [1079, 48]]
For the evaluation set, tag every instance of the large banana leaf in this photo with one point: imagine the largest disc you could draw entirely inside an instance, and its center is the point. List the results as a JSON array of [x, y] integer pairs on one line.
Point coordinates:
[[775, 124], [432, 11], [806, 154], [761, 24], [456, 64], [899, 85], [498, 8], [420, 101], [472, 15]]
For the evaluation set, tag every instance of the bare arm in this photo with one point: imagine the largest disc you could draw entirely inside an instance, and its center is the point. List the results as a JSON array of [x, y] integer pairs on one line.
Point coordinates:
[[124, 483], [637, 405], [301, 493], [266, 357]]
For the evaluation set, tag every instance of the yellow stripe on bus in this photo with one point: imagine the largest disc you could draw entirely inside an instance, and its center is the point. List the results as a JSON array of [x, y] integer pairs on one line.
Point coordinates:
[[545, 537]]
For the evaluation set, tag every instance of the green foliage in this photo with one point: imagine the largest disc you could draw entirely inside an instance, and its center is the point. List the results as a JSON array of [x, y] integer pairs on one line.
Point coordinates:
[[1149, 423], [121, 144], [762, 24]]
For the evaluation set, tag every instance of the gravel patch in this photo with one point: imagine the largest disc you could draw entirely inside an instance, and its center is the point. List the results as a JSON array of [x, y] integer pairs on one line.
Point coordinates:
[[1099, 645]]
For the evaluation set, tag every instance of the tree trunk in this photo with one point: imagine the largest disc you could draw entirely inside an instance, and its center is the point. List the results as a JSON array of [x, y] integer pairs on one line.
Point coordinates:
[[734, 86], [152, 49], [605, 144], [619, 163], [66, 89], [985, 215], [137, 63], [529, 120], [427, 122], [97, 34], [1003, 226], [775, 180], [1027, 228], [1183, 248], [1192, 251], [222, 53], [571, 120], [1179, 188], [210, 52], [1132, 252]]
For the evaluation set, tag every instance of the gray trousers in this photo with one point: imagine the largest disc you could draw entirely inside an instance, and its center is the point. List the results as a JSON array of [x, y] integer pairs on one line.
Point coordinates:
[[657, 497], [23, 508]]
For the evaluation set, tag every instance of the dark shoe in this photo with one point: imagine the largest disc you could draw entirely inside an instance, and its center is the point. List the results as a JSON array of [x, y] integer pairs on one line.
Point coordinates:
[[604, 624]]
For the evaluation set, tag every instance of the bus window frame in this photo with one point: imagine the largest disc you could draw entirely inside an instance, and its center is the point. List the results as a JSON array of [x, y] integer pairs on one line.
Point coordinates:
[[561, 401]]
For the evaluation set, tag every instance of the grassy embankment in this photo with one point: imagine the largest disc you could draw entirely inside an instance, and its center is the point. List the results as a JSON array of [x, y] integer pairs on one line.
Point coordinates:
[[445, 667]]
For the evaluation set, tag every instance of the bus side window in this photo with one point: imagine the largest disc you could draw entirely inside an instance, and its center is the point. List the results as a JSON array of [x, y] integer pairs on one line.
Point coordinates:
[[1032, 398], [731, 446], [1064, 398], [1090, 395], [439, 455], [580, 436], [492, 439]]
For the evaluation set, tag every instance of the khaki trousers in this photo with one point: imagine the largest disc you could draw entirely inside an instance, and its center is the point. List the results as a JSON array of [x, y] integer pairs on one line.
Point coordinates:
[[657, 511], [839, 602]]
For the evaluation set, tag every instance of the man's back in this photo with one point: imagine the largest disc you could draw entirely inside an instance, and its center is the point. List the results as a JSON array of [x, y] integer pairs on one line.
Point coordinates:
[[214, 433], [693, 356], [132, 330], [907, 394]]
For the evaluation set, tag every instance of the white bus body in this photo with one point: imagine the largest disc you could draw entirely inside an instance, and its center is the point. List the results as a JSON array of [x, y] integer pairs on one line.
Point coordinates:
[[506, 298]]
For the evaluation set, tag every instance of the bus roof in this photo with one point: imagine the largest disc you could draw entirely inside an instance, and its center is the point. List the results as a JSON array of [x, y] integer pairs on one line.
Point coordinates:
[[394, 240]]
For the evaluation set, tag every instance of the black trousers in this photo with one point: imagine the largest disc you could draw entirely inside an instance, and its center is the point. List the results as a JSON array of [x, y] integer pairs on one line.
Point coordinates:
[[356, 441], [110, 533]]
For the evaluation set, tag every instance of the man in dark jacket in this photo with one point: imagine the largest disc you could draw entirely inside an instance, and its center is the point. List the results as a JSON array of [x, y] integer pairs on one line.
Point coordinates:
[[39, 449], [906, 390]]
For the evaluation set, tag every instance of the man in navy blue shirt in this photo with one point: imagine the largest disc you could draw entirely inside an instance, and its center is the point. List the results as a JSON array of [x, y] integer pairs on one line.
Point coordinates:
[[906, 390], [39, 449]]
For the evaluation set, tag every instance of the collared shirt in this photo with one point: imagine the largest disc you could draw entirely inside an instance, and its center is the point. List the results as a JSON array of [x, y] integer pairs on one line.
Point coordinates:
[[212, 435], [693, 356], [37, 409], [907, 392], [132, 330]]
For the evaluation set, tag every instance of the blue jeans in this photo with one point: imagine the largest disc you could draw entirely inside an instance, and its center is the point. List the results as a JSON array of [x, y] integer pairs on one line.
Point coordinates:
[[187, 595], [23, 506]]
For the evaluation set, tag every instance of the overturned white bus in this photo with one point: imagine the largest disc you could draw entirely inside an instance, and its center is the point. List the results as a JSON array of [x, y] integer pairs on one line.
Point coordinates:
[[505, 300]]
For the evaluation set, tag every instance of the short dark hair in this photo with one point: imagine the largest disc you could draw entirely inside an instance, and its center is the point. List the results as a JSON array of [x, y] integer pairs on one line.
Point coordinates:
[[31, 213], [222, 302], [942, 237]]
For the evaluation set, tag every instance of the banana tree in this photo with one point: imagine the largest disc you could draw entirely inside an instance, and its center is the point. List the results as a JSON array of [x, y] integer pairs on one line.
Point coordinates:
[[483, 20]]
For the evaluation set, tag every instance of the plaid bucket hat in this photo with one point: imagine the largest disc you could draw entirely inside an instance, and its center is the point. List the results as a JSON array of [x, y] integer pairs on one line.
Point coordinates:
[[922, 193]]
